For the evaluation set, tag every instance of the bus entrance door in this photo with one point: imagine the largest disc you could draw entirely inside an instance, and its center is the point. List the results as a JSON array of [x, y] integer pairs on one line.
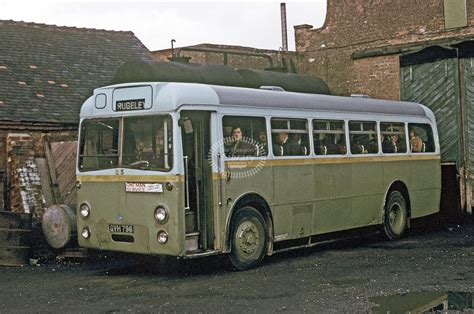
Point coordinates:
[[195, 130]]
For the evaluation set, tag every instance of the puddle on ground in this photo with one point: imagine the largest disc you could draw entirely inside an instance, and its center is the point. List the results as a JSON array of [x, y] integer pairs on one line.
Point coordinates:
[[423, 302]]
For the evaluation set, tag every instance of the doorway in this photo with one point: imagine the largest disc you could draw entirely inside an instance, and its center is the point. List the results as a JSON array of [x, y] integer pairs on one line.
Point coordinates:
[[195, 130]]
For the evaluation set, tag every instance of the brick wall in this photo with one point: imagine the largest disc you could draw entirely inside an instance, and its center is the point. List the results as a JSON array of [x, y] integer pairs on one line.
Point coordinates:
[[357, 25]]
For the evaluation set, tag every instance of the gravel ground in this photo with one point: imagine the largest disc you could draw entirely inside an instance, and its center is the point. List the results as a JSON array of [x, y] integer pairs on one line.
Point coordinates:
[[345, 275]]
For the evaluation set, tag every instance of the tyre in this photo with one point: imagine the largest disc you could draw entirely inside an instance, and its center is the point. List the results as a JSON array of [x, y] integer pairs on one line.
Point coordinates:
[[248, 239], [395, 215]]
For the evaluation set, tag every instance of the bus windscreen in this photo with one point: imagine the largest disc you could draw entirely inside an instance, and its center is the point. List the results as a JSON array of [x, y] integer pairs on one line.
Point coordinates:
[[146, 143]]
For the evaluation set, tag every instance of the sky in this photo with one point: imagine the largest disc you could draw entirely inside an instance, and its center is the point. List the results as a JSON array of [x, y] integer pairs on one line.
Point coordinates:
[[243, 23]]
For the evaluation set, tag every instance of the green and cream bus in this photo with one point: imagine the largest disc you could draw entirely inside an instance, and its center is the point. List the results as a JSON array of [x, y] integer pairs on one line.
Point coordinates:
[[190, 170]]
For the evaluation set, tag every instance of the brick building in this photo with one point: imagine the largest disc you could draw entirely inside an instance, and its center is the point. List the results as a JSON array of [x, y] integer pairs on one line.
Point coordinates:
[[358, 48], [46, 73], [237, 57], [417, 50]]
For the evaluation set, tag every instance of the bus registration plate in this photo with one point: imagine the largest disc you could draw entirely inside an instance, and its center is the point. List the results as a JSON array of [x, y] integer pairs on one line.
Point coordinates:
[[120, 228]]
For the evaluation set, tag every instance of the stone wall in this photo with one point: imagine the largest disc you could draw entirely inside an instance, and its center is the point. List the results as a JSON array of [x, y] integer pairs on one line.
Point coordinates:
[[353, 26]]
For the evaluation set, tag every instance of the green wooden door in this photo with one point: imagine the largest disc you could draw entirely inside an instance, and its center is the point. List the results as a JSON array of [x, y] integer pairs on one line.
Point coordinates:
[[435, 85], [443, 80]]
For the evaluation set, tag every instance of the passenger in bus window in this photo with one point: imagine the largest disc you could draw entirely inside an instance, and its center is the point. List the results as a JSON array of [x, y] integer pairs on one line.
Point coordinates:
[[394, 140], [319, 145], [238, 147], [296, 139], [284, 147], [388, 144], [263, 143], [400, 143], [356, 145], [334, 144], [373, 146], [416, 144]]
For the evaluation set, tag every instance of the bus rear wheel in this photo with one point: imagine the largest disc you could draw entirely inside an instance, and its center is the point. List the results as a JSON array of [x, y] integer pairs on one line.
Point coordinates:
[[249, 239], [396, 215]]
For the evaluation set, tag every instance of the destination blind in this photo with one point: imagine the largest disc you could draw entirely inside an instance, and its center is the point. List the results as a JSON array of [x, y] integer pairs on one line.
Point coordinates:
[[129, 105]]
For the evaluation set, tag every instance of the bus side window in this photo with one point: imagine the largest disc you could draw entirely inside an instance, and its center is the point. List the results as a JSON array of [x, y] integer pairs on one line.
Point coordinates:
[[290, 137], [244, 136], [393, 138], [329, 137], [421, 138], [363, 137]]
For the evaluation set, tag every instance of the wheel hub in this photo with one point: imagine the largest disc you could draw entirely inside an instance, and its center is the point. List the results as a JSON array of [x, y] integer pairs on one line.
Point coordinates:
[[248, 238], [394, 216]]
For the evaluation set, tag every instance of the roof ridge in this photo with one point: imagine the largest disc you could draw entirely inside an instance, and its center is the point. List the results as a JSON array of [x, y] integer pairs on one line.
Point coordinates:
[[63, 27]]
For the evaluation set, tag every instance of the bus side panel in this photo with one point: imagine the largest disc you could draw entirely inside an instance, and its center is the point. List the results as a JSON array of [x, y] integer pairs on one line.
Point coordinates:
[[244, 181], [422, 178], [332, 208], [425, 187], [397, 171], [293, 200], [367, 192]]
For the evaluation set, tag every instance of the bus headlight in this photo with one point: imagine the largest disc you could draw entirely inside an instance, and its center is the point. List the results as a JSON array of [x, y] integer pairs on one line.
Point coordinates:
[[85, 210], [86, 233], [161, 214], [162, 237]]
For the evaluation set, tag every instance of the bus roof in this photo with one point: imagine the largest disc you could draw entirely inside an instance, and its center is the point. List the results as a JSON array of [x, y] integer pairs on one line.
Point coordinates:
[[171, 96], [300, 101]]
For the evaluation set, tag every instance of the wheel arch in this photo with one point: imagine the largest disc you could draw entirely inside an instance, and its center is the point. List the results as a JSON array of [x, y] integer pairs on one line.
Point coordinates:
[[261, 205], [401, 187]]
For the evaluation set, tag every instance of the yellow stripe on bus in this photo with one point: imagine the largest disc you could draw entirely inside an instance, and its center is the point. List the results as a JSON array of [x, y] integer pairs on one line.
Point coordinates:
[[129, 178], [326, 160], [232, 164]]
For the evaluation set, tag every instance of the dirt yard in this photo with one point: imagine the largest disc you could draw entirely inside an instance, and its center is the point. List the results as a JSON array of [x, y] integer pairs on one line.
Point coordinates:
[[346, 275]]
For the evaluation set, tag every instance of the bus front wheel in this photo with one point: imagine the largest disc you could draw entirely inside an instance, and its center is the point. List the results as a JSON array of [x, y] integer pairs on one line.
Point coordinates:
[[396, 214], [249, 239]]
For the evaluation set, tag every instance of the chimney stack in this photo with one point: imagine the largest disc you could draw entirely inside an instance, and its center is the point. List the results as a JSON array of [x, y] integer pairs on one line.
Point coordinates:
[[284, 30]]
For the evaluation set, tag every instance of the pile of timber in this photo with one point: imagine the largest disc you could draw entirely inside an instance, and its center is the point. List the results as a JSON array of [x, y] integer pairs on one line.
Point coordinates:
[[2, 189], [26, 194], [33, 184]]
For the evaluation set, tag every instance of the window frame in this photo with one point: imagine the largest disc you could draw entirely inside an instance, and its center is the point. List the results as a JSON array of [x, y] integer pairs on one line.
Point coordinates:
[[362, 132], [221, 135], [404, 132], [308, 132], [432, 137], [343, 132]]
